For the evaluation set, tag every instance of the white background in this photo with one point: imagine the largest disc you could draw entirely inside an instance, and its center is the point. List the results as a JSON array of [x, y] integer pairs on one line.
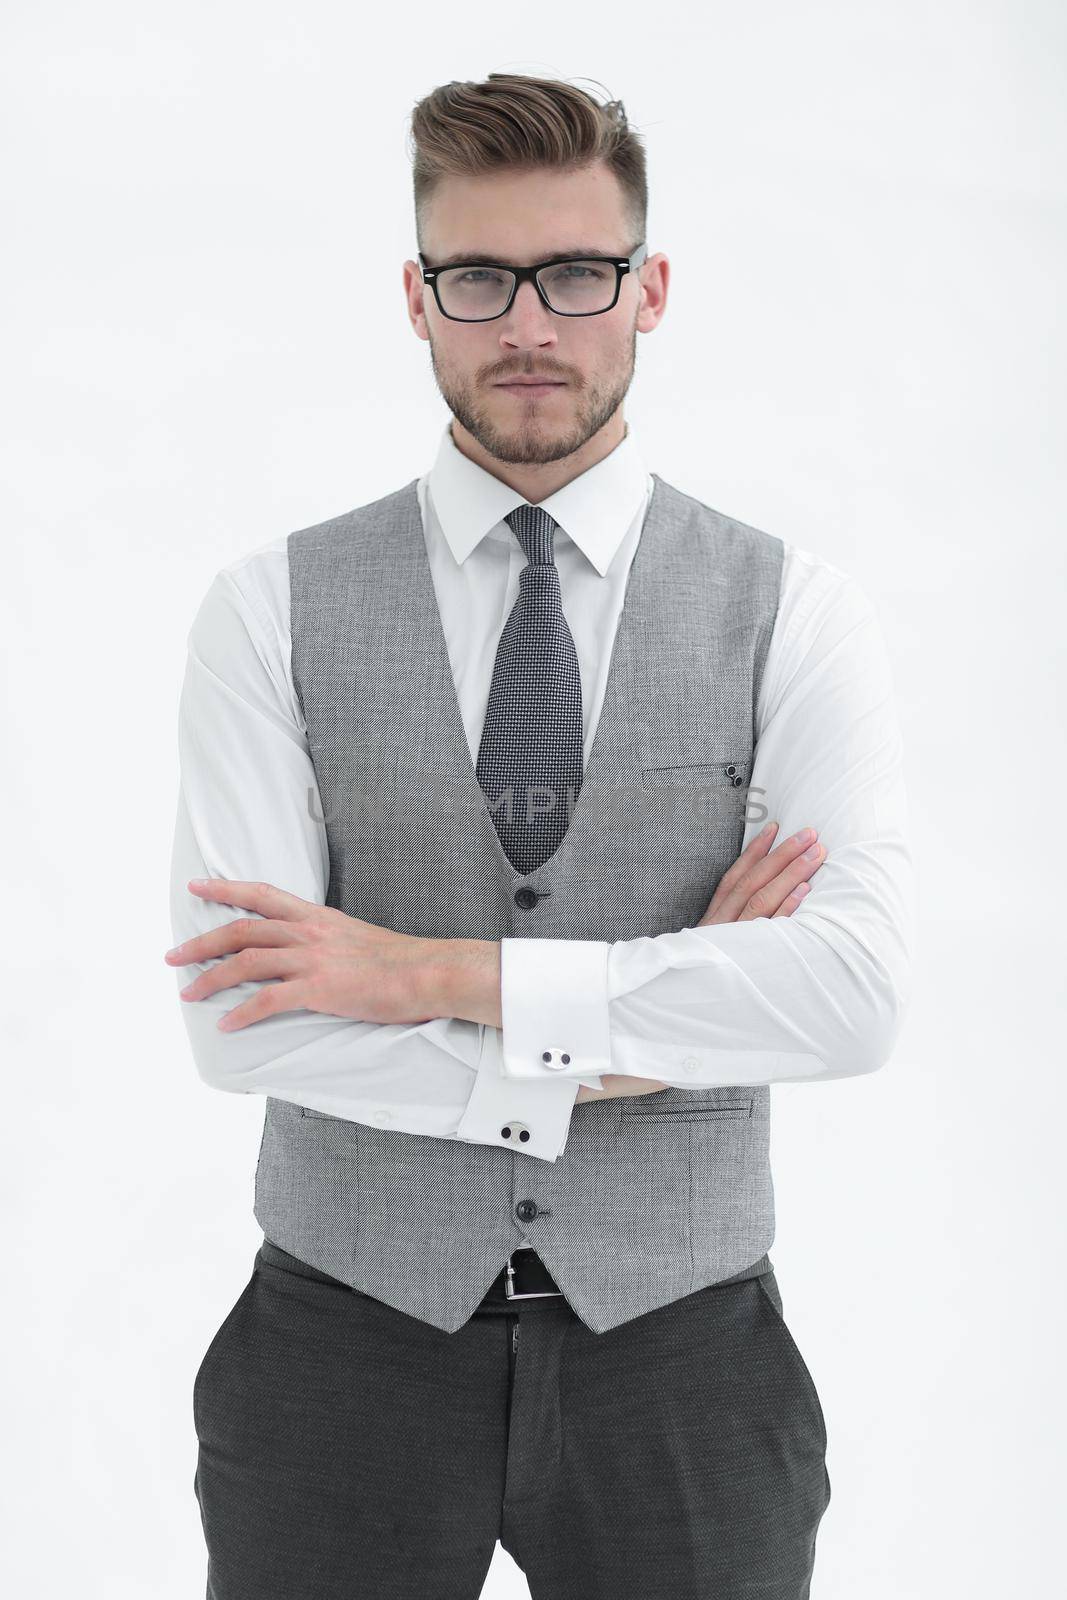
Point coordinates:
[[205, 344]]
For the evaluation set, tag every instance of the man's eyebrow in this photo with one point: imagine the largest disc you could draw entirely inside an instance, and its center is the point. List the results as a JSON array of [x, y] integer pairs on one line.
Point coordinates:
[[464, 259]]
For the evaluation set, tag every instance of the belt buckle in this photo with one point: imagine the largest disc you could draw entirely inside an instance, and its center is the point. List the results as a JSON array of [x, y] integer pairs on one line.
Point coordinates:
[[511, 1293]]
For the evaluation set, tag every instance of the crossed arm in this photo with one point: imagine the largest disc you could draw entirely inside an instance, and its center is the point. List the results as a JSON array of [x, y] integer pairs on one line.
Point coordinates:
[[316, 958], [314, 1000]]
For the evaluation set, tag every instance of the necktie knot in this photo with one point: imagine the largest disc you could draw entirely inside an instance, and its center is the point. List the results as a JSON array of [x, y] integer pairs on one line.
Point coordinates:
[[535, 530]]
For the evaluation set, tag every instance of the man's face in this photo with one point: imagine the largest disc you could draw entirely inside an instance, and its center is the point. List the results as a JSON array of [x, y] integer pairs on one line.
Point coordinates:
[[521, 218]]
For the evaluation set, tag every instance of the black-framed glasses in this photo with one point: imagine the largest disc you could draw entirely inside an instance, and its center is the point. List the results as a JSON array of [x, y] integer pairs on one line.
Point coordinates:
[[571, 286]]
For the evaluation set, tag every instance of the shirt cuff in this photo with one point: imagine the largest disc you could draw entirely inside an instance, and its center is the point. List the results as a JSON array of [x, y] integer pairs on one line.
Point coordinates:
[[533, 1117], [554, 1009]]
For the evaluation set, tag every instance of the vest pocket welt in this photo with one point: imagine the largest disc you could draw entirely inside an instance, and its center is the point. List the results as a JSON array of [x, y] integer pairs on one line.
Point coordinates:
[[726, 774], [684, 1105]]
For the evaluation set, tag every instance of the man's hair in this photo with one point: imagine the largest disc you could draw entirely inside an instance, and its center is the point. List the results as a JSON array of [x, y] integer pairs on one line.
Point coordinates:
[[513, 122]]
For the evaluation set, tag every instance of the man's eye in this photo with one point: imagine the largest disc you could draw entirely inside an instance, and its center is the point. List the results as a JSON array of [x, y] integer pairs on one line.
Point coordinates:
[[578, 270]]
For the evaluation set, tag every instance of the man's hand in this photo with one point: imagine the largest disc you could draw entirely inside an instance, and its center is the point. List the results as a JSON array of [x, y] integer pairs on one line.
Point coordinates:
[[323, 960], [761, 883]]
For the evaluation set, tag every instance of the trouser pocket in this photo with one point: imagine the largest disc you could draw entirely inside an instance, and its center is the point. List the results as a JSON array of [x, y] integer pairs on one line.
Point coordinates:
[[773, 1300], [214, 1349]]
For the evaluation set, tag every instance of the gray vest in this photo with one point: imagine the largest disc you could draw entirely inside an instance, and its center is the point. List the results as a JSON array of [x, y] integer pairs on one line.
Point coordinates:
[[653, 1196]]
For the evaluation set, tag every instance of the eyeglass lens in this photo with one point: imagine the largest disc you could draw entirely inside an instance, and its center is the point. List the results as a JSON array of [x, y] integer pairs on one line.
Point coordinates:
[[571, 287]]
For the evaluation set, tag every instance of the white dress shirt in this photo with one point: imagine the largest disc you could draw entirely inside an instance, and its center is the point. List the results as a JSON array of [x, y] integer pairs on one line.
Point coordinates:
[[816, 995]]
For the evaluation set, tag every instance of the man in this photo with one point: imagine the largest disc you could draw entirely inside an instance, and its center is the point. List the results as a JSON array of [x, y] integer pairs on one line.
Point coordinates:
[[475, 766]]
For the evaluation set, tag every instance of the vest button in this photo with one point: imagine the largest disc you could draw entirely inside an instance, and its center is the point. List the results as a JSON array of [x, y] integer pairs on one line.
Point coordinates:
[[526, 1210], [526, 898]]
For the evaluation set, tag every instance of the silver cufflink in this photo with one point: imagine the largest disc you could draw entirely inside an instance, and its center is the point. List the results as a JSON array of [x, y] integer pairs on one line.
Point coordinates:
[[516, 1130]]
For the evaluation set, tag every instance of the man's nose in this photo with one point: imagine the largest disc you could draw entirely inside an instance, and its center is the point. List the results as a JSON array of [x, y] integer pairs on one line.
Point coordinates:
[[529, 322]]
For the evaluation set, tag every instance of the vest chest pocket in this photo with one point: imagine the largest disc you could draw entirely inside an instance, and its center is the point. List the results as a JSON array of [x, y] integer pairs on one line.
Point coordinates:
[[727, 774]]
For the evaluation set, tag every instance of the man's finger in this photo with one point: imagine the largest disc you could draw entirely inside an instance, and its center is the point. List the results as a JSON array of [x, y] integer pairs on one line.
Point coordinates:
[[268, 1002], [240, 934], [792, 900], [250, 966], [266, 898]]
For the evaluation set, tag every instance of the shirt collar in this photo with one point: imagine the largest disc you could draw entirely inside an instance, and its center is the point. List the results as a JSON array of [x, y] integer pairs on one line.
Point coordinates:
[[595, 509]]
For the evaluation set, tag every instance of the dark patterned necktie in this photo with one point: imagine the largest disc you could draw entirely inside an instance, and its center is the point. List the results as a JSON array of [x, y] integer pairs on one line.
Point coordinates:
[[531, 748]]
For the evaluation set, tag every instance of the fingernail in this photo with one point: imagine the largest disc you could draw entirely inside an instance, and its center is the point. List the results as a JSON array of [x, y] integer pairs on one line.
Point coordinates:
[[767, 828], [804, 835], [814, 853]]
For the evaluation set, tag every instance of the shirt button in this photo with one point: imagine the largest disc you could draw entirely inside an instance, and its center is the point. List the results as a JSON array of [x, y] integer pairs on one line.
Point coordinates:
[[690, 1063], [526, 898]]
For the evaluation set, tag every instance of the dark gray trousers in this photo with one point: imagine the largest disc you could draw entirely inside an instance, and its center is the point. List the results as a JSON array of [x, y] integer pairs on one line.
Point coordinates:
[[348, 1451]]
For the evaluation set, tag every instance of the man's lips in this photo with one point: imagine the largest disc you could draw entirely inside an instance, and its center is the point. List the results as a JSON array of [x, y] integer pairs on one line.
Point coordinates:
[[532, 383]]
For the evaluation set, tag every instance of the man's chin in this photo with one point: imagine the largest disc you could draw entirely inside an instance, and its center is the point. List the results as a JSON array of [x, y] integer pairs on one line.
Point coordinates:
[[531, 442], [527, 452]]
